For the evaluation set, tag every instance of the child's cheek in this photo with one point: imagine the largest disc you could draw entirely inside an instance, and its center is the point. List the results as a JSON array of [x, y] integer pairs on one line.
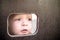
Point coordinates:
[[29, 25], [16, 25]]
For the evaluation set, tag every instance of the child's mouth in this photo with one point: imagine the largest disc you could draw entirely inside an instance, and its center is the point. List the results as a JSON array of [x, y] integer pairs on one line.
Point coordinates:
[[24, 30]]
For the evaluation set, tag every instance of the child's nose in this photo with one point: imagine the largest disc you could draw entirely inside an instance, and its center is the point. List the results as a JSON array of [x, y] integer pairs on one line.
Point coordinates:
[[24, 23]]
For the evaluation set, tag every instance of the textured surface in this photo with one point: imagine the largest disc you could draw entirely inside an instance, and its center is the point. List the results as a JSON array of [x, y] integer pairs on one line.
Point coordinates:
[[47, 10]]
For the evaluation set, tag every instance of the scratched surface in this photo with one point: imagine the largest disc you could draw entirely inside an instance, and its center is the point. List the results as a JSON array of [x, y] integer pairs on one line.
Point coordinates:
[[47, 10]]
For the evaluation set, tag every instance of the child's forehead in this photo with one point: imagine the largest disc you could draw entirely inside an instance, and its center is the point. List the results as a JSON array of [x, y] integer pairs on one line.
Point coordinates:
[[23, 16]]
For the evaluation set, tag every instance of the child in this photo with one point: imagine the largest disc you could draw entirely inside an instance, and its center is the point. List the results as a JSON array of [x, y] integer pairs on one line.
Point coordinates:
[[20, 24]]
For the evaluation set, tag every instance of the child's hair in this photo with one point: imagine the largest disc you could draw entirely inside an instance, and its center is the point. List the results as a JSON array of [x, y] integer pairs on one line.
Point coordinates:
[[11, 16]]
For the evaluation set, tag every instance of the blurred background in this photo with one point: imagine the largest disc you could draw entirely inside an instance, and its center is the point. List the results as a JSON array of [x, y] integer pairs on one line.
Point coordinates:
[[48, 12]]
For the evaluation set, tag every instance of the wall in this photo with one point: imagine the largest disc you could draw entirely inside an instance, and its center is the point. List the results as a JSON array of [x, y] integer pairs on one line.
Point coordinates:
[[47, 10]]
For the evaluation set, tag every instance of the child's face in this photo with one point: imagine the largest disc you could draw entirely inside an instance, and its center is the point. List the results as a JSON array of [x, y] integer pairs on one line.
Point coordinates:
[[22, 24]]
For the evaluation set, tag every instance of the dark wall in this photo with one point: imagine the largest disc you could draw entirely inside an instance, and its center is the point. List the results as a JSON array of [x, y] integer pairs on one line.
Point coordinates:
[[47, 10]]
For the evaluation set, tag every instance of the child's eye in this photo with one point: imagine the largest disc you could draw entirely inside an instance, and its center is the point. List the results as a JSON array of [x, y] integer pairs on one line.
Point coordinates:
[[29, 19], [17, 19]]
